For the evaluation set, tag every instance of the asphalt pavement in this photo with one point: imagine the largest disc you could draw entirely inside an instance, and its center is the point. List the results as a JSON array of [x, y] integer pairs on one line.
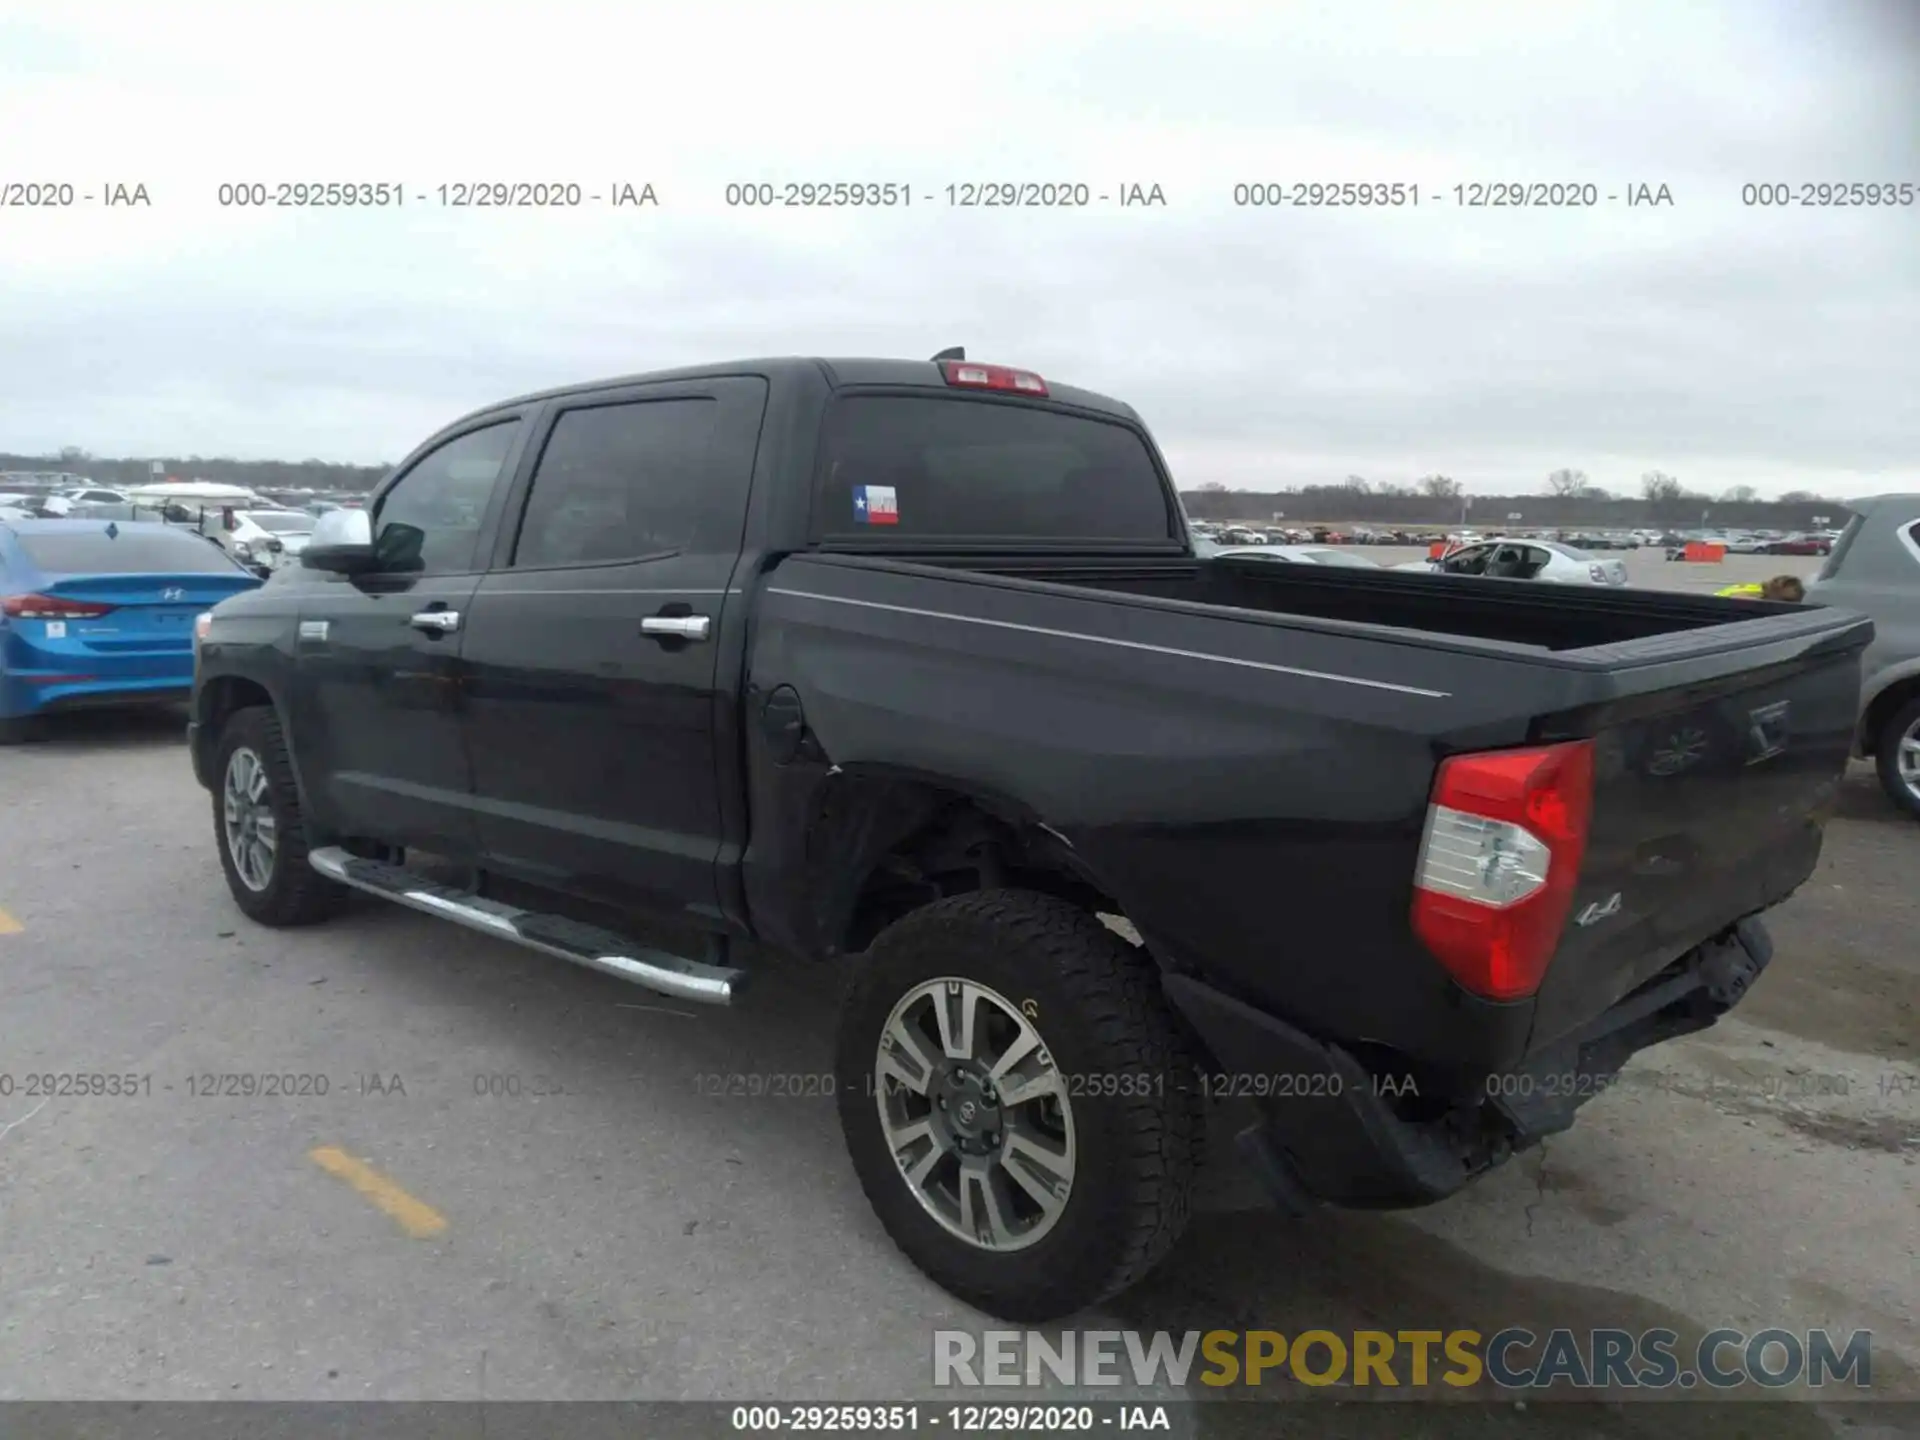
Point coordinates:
[[457, 1170]]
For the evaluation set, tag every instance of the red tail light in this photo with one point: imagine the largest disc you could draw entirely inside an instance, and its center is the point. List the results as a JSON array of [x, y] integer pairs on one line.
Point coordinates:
[[50, 607], [992, 377], [1506, 832]]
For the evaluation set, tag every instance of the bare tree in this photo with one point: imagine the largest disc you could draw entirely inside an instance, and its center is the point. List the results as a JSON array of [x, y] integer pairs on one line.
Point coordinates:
[[1595, 492], [1358, 484], [1440, 487], [1802, 497], [1214, 487], [1740, 495], [1660, 488], [1567, 483]]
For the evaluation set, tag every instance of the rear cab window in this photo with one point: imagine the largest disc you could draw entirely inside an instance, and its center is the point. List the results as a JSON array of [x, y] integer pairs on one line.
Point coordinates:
[[123, 550], [945, 468]]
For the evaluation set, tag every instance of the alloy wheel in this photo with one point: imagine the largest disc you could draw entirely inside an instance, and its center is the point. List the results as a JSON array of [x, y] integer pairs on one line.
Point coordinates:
[[1906, 759], [252, 834], [976, 1114]]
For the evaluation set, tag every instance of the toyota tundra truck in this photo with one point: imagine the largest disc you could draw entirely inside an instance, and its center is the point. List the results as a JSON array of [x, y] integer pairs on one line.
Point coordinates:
[[908, 671]]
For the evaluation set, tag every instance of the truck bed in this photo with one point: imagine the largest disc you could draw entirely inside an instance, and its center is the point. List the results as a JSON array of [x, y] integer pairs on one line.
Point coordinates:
[[1514, 612]]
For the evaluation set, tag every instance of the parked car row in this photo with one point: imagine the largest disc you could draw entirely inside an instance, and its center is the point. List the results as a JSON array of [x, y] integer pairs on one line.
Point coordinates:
[[1286, 554], [1817, 543], [258, 534], [1249, 535], [1768, 542]]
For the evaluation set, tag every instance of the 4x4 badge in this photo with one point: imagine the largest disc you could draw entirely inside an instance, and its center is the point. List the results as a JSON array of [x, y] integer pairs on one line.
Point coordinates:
[[1599, 910]]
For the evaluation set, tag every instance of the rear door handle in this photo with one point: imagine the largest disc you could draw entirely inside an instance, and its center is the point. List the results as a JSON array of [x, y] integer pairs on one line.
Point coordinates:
[[676, 627], [436, 622]]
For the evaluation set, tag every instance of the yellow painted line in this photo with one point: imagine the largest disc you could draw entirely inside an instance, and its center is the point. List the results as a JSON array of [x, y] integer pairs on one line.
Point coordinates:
[[9, 925], [416, 1217]]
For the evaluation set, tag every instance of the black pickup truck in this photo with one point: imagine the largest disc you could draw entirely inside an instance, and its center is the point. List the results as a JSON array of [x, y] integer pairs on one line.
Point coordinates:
[[911, 665]]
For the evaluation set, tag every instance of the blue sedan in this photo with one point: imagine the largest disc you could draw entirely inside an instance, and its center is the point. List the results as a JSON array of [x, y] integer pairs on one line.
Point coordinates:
[[100, 613]]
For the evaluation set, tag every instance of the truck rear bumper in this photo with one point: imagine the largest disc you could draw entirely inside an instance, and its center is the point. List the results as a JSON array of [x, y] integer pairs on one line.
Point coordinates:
[[1334, 1132]]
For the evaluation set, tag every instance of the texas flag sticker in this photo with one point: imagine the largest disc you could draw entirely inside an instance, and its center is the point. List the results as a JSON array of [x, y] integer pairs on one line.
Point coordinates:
[[875, 505]]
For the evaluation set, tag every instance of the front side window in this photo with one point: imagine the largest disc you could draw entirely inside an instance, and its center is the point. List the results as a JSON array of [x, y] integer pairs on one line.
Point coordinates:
[[429, 522], [629, 481]]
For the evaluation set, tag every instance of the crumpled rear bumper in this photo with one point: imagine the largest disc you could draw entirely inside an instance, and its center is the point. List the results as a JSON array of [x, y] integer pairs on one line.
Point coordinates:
[[1337, 1137]]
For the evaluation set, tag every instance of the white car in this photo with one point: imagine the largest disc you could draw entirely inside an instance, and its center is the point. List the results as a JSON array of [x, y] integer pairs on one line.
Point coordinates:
[[1296, 554], [1547, 560], [264, 539], [64, 502]]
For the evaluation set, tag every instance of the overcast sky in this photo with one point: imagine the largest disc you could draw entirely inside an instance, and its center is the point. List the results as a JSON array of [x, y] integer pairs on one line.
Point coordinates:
[[1724, 343]]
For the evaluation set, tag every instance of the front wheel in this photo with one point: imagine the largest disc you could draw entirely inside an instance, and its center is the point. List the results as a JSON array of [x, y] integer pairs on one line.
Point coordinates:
[[259, 827], [1897, 757], [1019, 1101]]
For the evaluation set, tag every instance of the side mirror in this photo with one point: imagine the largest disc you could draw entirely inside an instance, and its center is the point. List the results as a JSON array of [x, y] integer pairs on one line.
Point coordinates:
[[342, 543]]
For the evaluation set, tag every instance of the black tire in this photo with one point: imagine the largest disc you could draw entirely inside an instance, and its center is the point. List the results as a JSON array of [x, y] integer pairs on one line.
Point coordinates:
[[295, 893], [1886, 756], [1100, 1012]]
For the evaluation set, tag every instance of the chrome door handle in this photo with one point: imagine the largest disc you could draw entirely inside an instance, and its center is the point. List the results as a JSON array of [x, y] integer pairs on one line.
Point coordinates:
[[437, 622], [676, 627]]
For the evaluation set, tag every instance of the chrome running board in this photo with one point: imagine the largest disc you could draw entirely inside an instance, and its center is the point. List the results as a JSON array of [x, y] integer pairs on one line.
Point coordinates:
[[554, 935]]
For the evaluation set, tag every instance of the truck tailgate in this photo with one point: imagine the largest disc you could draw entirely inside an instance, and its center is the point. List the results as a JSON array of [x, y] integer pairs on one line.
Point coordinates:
[[1715, 770]]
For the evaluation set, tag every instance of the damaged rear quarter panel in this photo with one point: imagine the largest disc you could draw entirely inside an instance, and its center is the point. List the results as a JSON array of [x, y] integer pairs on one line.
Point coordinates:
[[1256, 825]]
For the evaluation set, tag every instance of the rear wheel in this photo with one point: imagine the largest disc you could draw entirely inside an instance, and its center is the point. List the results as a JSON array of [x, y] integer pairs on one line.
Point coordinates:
[[260, 829], [1897, 756], [1019, 1102]]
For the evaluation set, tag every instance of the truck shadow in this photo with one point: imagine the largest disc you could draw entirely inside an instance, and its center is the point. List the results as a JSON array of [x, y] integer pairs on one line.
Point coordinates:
[[1862, 798], [79, 732]]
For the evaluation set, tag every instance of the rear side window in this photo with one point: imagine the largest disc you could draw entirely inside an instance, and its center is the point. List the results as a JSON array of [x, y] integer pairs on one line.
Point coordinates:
[[128, 551], [1840, 548], [938, 468], [620, 482]]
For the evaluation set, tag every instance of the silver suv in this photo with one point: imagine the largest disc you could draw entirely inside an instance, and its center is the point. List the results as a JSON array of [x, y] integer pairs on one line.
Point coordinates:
[[1875, 569]]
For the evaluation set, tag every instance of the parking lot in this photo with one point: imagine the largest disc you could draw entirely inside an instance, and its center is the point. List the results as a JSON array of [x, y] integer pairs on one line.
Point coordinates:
[[500, 1177]]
